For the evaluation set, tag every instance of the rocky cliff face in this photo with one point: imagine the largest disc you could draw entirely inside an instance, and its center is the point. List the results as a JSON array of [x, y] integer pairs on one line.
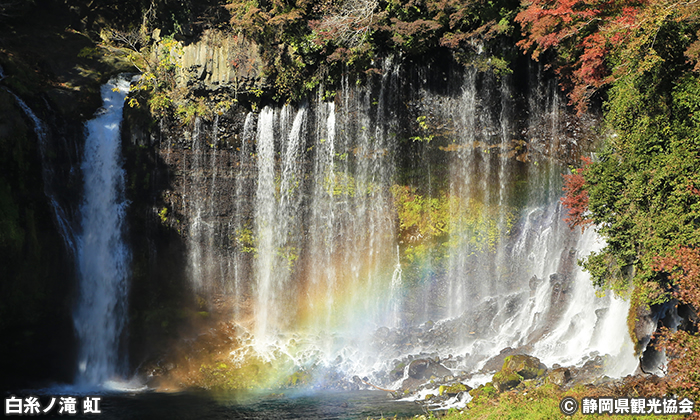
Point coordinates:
[[242, 208], [220, 62], [193, 184], [35, 264]]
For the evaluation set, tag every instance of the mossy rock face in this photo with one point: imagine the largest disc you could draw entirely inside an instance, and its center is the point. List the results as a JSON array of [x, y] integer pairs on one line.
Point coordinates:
[[506, 379], [454, 389], [559, 376], [486, 391], [528, 367]]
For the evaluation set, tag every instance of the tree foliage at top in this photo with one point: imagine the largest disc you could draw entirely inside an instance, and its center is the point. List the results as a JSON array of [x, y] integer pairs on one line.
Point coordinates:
[[305, 43], [593, 43]]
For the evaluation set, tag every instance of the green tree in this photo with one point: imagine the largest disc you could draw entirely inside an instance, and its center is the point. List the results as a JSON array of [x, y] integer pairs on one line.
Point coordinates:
[[643, 189]]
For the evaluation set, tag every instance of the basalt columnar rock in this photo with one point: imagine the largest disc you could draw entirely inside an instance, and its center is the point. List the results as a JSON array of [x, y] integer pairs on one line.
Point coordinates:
[[221, 61]]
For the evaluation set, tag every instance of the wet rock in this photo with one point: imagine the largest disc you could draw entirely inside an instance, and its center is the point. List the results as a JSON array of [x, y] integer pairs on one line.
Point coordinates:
[[454, 389], [495, 363], [426, 369], [411, 384], [504, 380], [561, 286], [528, 367], [560, 376], [649, 320], [589, 372], [397, 372], [382, 333]]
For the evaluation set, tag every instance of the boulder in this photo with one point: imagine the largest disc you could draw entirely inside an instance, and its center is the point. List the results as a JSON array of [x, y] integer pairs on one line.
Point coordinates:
[[496, 362], [427, 369], [505, 379], [382, 332], [528, 367], [559, 376], [517, 368], [454, 389]]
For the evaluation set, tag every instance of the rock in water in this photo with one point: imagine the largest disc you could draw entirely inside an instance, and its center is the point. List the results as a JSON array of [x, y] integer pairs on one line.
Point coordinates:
[[426, 369]]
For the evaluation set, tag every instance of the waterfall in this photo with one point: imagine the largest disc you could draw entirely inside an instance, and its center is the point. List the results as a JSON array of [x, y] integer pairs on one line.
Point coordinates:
[[242, 193], [392, 209], [395, 294], [103, 256], [323, 274], [265, 212], [61, 217], [511, 274]]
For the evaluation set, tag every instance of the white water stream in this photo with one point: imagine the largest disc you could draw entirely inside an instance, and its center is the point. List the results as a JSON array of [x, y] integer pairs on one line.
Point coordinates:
[[320, 270], [103, 257]]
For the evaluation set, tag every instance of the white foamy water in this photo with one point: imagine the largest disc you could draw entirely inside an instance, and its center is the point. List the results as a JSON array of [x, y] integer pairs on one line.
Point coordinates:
[[103, 257], [321, 262]]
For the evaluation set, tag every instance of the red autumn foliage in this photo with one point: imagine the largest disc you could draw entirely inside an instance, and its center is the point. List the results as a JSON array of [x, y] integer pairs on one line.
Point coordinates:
[[682, 347], [582, 33], [585, 34], [576, 197], [683, 353], [683, 266], [695, 190]]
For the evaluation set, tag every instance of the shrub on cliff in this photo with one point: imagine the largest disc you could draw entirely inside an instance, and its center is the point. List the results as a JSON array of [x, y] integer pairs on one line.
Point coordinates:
[[591, 44], [308, 43], [643, 189]]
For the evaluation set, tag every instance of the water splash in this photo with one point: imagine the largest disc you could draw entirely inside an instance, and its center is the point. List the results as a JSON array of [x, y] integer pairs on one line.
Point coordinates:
[[323, 273], [103, 256]]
